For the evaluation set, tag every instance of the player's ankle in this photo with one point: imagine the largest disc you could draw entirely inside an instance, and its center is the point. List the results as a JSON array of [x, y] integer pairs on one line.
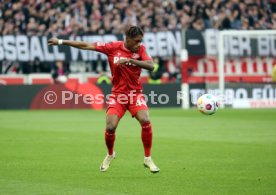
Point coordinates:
[[147, 157]]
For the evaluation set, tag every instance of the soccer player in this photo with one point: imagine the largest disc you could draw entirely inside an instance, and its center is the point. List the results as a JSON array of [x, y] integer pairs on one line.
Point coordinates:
[[126, 60]]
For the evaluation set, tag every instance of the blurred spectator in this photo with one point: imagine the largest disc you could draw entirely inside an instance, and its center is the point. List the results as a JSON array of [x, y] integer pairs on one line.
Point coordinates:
[[235, 14], [103, 79], [36, 65], [9, 67], [244, 23], [198, 24], [60, 72], [173, 68], [156, 75], [102, 63]]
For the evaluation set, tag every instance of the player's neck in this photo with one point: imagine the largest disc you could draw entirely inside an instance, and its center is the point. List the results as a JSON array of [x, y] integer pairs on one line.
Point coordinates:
[[125, 46]]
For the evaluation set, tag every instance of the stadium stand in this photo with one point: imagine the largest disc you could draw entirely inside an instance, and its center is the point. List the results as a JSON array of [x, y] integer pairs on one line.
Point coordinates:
[[75, 17]]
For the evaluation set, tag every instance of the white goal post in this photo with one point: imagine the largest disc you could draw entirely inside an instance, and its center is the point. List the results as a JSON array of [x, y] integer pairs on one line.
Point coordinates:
[[221, 59]]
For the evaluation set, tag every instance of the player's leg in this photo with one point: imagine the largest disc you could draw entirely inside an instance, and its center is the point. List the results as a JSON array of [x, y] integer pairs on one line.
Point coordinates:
[[143, 117], [114, 113], [139, 110], [111, 125]]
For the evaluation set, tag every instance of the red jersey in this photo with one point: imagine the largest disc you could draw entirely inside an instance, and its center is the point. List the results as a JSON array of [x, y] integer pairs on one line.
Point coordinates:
[[125, 78]]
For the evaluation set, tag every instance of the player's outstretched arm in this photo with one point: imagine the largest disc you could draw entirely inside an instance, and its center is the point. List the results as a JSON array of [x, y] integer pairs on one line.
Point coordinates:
[[76, 44], [148, 64]]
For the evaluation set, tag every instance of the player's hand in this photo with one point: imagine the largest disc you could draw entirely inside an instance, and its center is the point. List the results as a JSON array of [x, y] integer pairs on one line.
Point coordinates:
[[53, 41], [123, 61]]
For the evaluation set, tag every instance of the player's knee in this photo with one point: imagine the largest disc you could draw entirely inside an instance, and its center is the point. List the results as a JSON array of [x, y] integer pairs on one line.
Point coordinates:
[[144, 120], [143, 117], [111, 127]]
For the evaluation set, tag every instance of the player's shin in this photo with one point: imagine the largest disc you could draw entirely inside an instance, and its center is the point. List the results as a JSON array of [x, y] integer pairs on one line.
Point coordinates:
[[109, 141], [147, 138]]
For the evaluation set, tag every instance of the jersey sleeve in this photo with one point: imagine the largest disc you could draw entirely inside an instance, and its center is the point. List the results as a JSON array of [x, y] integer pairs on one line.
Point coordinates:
[[102, 47], [144, 55]]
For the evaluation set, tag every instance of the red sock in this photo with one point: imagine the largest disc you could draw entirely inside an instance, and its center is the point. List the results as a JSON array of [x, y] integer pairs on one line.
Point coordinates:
[[147, 138], [109, 141]]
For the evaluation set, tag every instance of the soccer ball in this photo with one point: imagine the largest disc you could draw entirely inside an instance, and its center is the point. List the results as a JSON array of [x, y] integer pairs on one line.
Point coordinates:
[[207, 104]]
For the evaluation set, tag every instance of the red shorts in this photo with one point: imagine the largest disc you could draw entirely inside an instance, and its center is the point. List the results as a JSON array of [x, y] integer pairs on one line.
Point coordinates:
[[119, 103]]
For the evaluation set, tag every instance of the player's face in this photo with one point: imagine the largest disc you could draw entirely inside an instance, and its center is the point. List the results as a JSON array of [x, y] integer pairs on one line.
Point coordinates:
[[133, 44]]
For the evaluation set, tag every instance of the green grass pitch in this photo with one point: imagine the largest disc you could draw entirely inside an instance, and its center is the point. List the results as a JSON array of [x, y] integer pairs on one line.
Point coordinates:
[[60, 151]]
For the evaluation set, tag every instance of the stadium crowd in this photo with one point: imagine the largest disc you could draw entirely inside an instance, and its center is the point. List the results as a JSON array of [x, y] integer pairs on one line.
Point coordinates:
[[72, 17], [67, 17]]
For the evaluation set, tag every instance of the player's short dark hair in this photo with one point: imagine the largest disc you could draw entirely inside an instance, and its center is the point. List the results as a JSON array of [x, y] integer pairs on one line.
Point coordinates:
[[133, 31]]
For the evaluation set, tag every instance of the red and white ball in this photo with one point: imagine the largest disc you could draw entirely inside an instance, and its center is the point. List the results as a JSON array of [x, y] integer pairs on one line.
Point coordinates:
[[207, 104]]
